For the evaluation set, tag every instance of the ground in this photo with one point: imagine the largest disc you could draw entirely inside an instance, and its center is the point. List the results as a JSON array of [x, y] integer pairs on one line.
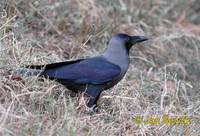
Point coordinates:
[[158, 96]]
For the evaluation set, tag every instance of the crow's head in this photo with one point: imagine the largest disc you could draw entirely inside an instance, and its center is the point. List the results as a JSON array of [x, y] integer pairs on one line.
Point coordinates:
[[126, 40]]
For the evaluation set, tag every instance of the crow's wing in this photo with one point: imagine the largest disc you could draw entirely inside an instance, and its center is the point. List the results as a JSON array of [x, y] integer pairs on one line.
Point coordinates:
[[53, 65], [89, 71]]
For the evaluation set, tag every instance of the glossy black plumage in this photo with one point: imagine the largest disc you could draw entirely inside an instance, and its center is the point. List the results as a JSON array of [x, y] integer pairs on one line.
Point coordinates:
[[89, 71]]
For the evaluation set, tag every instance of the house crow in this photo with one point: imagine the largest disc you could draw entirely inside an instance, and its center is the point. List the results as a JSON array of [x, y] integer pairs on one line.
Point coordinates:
[[95, 74]]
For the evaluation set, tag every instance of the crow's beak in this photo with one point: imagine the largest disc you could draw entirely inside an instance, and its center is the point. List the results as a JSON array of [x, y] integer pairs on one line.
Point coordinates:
[[138, 39]]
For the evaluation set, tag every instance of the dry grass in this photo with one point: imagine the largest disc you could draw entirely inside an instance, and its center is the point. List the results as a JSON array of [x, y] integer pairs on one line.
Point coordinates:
[[163, 78]]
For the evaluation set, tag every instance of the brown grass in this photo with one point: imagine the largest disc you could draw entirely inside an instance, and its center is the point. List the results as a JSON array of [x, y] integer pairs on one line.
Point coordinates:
[[163, 78]]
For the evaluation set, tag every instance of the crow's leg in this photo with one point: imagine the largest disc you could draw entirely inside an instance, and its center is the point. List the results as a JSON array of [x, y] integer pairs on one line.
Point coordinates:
[[93, 91]]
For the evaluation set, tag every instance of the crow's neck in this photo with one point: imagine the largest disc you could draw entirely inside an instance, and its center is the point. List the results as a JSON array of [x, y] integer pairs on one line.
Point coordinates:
[[118, 55]]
